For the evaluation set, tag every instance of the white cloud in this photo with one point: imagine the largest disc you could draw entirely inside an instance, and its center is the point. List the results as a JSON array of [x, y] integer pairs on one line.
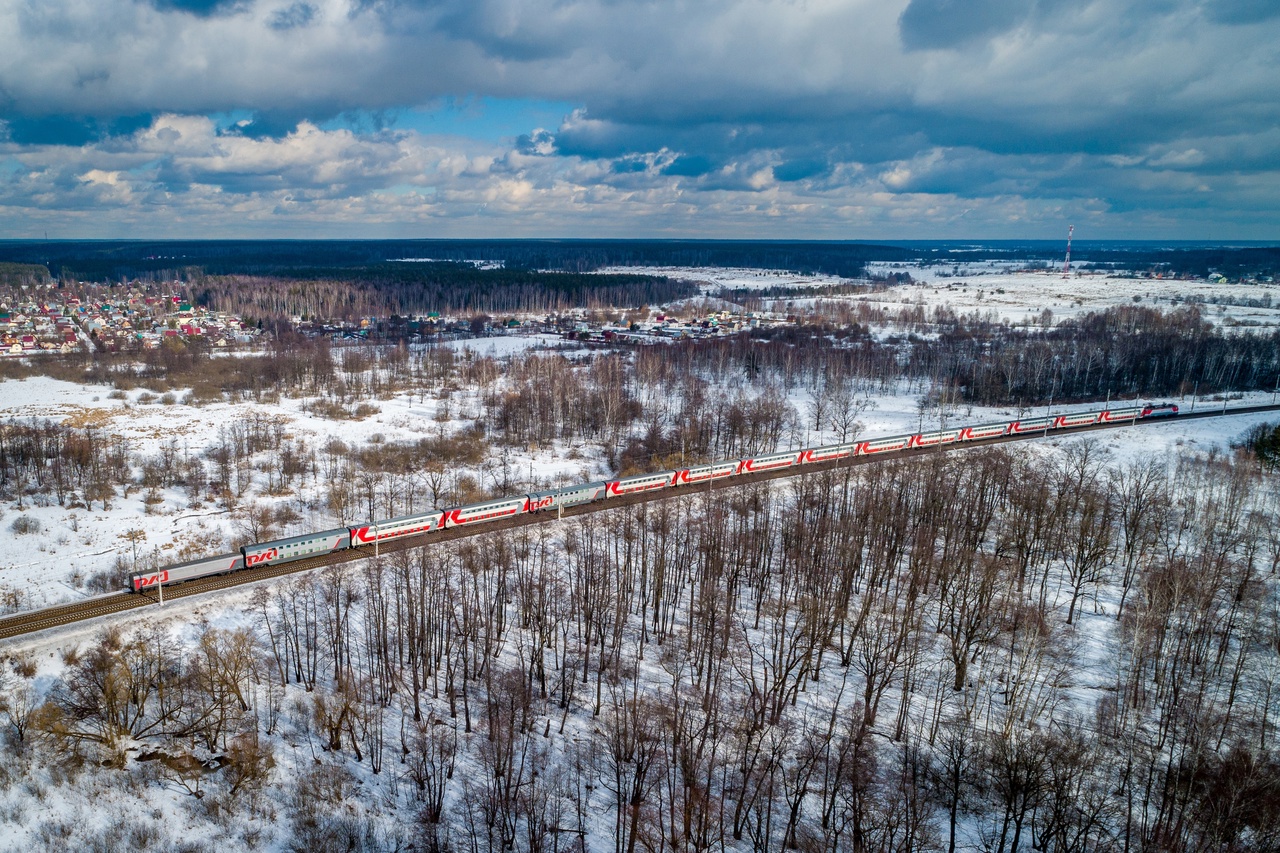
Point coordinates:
[[637, 60], [1183, 159], [180, 173], [708, 114]]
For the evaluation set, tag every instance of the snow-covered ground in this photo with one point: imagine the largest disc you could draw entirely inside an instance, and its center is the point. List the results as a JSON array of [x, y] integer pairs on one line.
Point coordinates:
[[50, 566], [500, 346], [713, 279], [1008, 292], [960, 268], [478, 263], [1021, 296]]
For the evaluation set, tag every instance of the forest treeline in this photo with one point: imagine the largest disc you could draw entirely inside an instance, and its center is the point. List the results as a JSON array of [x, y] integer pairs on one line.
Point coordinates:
[[417, 289], [114, 261], [23, 275], [108, 261], [1121, 352], [1263, 441], [992, 649]]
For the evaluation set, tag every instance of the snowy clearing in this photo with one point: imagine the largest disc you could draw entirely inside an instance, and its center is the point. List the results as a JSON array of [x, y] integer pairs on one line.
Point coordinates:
[[712, 279], [1021, 296]]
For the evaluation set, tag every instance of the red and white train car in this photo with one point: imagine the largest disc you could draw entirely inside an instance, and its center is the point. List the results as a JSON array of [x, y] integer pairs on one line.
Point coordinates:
[[1078, 419], [933, 439], [704, 473], [639, 483], [829, 452], [772, 462], [486, 511], [978, 433], [885, 445], [396, 528], [1031, 425]]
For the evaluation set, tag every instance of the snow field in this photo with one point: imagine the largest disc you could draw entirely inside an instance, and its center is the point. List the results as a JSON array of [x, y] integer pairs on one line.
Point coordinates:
[[92, 803], [1021, 296], [1006, 292], [713, 279]]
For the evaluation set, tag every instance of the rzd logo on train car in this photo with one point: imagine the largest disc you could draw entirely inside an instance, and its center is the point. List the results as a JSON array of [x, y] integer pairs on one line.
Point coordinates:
[[152, 580], [264, 557], [541, 503]]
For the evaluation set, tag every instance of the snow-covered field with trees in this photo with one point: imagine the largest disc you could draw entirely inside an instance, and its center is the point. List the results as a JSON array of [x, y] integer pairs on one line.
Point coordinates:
[[58, 553], [1068, 643], [715, 279], [999, 290], [1023, 296]]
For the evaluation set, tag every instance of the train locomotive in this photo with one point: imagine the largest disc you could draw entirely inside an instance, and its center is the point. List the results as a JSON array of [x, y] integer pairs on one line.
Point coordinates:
[[372, 534]]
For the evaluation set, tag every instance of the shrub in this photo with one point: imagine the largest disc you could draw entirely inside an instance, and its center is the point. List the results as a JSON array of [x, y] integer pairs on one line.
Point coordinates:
[[24, 664], [108, 580], [24, 525]]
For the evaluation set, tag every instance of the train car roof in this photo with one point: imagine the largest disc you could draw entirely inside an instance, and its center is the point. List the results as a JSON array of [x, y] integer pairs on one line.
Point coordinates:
[[568, 489], [400, 518], [305, 537], [234, 555], [493, 502]]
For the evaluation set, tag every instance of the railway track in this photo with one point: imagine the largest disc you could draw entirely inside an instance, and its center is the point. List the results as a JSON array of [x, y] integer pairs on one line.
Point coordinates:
[[66, 614]]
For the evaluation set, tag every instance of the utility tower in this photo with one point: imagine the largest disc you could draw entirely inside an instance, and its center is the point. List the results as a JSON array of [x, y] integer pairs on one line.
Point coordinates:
[[1066, 268]]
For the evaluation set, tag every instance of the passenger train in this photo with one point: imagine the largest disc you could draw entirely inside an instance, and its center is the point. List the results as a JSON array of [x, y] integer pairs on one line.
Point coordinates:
[[371, 534]]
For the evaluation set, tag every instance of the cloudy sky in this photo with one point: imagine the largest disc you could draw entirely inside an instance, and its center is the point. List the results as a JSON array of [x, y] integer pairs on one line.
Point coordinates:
[[830, 119]]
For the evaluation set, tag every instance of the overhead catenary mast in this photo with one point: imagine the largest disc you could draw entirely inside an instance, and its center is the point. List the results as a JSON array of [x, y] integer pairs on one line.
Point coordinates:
[[1066, 268]]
